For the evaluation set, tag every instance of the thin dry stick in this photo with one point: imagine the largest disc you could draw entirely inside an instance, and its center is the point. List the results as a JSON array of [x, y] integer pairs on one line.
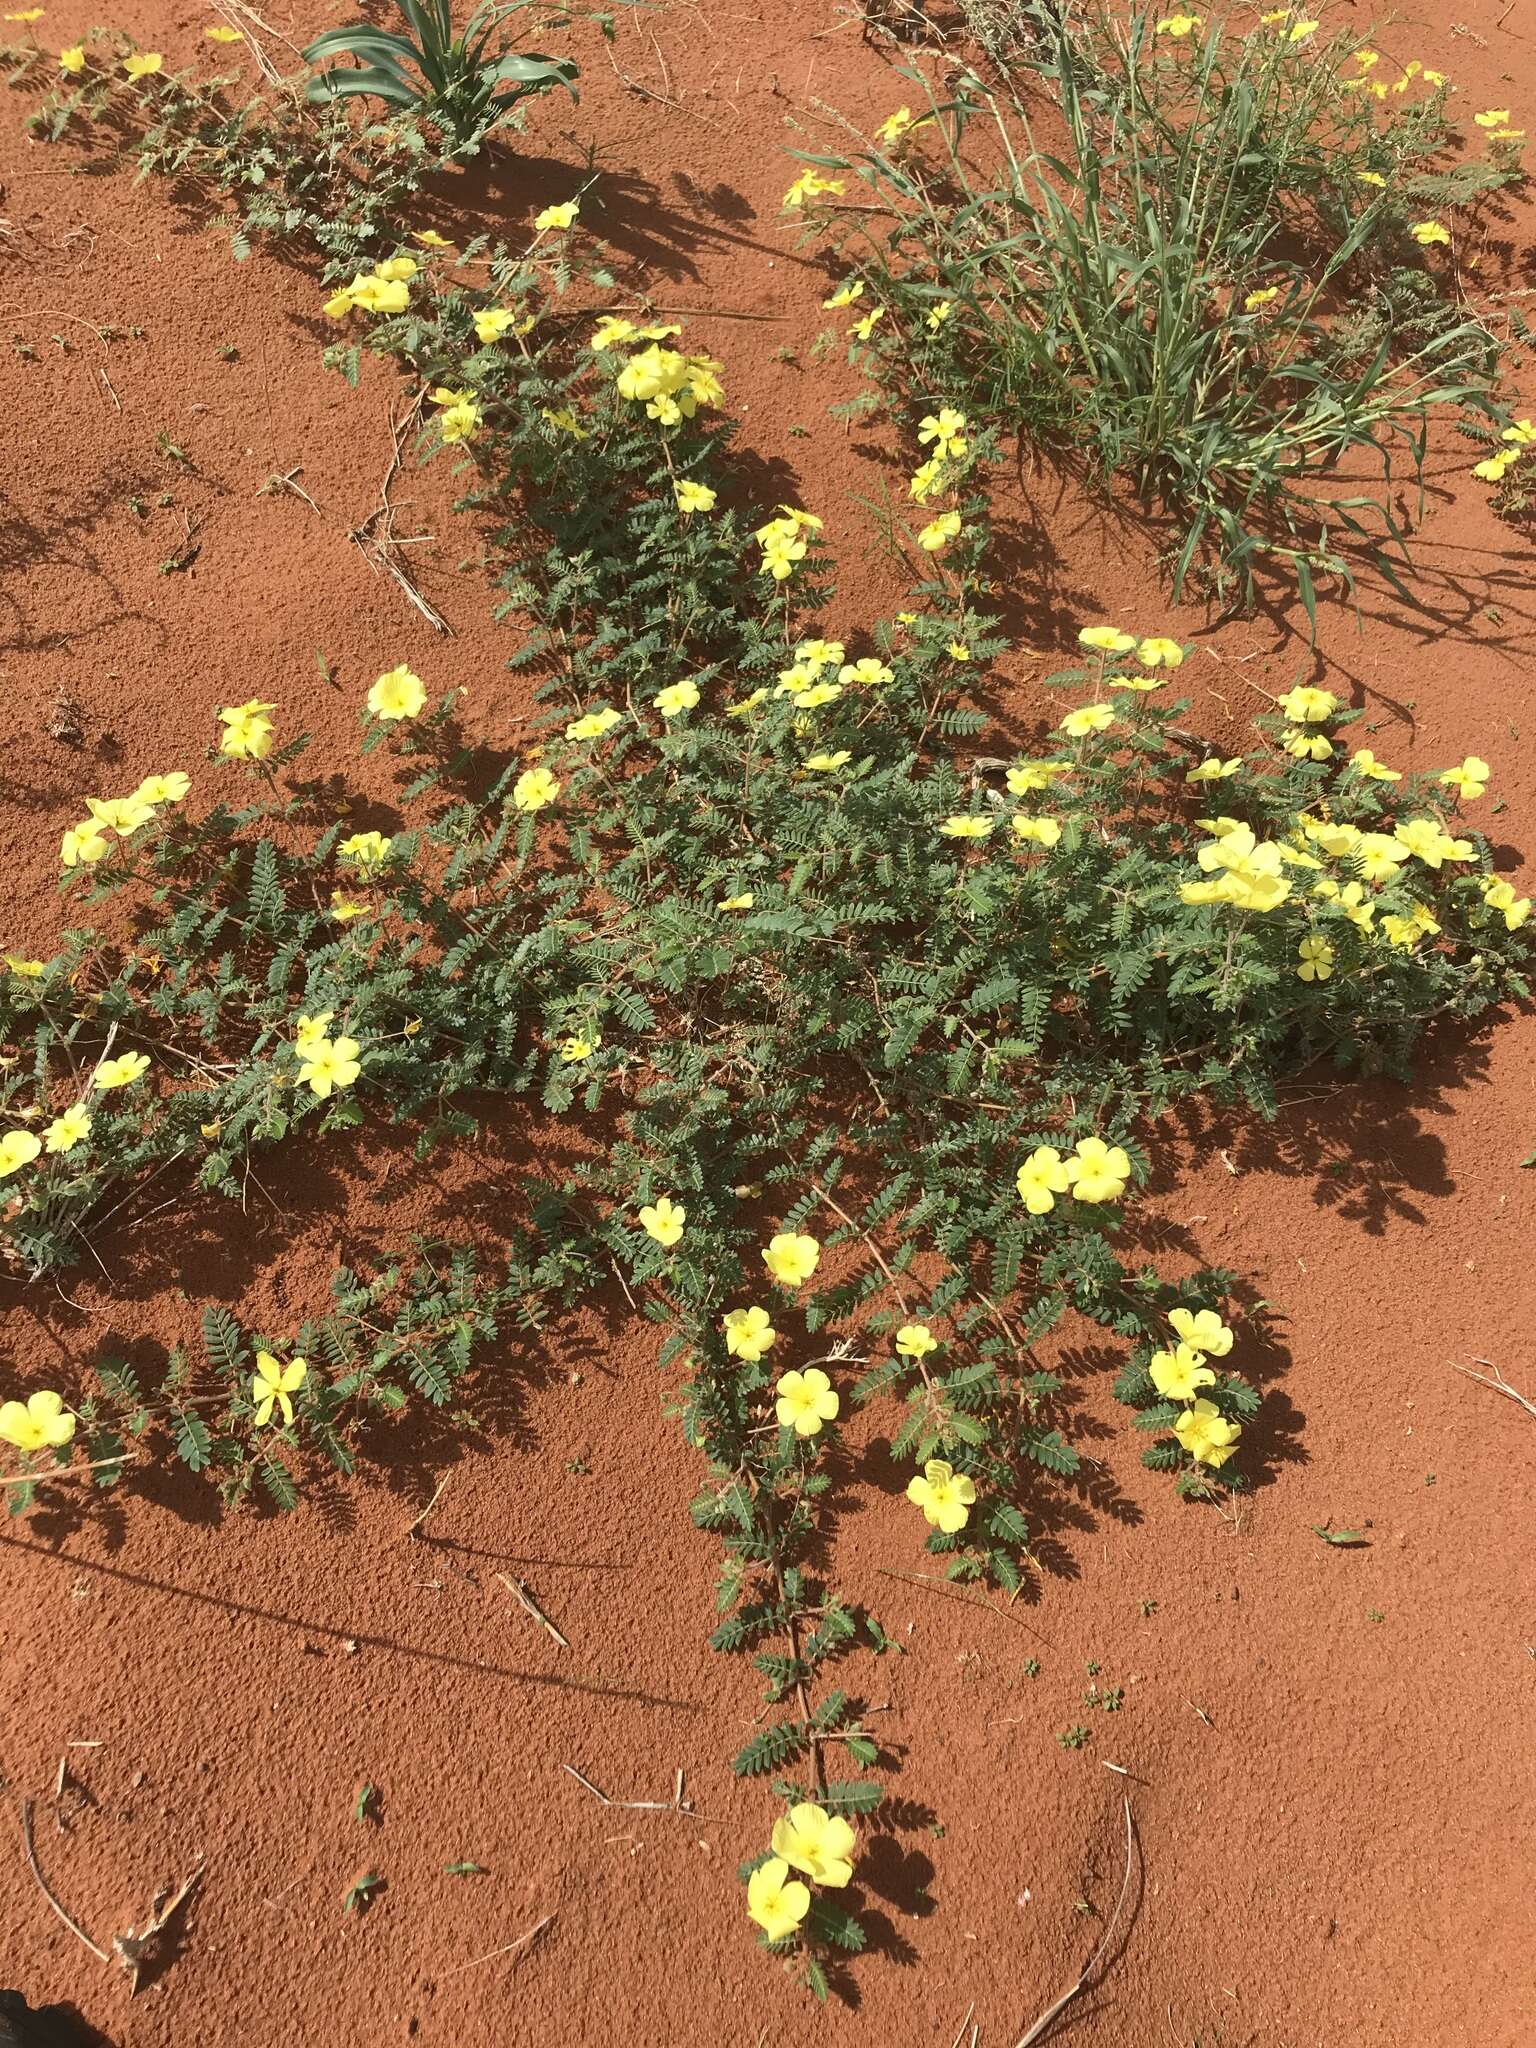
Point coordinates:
[[676, 1804], [942, 1586], [375, 535], [1499, 1384], [42, 1884], [505, 1950], [1052, 2012], [519, 1591], [431, 1504]]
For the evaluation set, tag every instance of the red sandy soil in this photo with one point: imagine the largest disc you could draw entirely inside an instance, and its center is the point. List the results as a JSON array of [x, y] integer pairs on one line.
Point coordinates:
[[1329, 1750]]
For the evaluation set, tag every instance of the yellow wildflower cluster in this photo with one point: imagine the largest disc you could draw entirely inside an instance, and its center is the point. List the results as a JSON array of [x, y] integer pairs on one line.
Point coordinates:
[[247, 734], [670, 385], [384, 289], [1517, 438], [1092, 1172], [460, 417], [808, 1839], [1179, 1373], [119, 817], [782, 540]]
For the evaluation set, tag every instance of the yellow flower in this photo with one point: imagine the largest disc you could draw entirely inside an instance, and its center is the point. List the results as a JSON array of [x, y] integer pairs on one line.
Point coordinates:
[[29, 970], [1493, 117], [777, 1906], [1373, 178], [663, 1220], [1206, 1434], [963, 827], [121, 1072], [926, 480], [344, 908], [396, 269], [247, 734], [1522, 433], [120, 814], [1178, 24], [809, 185], [1314, 960], [915, 1340], [938, 533], [1086, 719], [945, 1496], [791, 1258], [894, 126], [18, 1149], [1106, 640], [595, 725], [273, 1386], [1306, 746], [1299, 31], [749, 1332], [1159, 652], [844, 295], [534, 789], [72, 59], [556, 219], [580, 1046], [329, 1063], [1025, 777], [861, 330], [308, 1031], [1202, 1330], [1493, 468], [1179, 1374], [1426, 232], [867, 671], [366, 849], [162, 789], [1254, 300], [492, 323], [25, 14], [805, 1401], [825, 764], [1364, 763], [1214, 770], [1469, 779], [68, 1129], [1097, 1172], [399, 693], [958, 651], [683, 696], [744, 901], [222, 35], [1305, 705], [815, 1841], [1041, 1179], [143, 64], [1427, 840], [1367, 59], [460, 416], [692, 497], [820, 654], [945, 429], [1036, 831], [1500, 896], [82, 845], [43, 1424], [938, 315], [429, 238], [1378, 856]]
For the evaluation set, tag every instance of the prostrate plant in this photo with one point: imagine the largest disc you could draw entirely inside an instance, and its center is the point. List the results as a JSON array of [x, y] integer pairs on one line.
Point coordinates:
[[462, 83], [877, 1027], [1138, 256]]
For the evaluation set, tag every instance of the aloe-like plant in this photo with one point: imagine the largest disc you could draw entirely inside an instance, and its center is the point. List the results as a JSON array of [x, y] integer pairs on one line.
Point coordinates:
[[462, 85]]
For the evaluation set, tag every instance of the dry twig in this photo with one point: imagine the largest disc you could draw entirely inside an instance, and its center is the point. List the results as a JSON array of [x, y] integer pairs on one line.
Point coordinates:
[[519, 1591], [1052, 2012], [42, 1884], [506, 1949], [1499, 1384], [135, 1947]]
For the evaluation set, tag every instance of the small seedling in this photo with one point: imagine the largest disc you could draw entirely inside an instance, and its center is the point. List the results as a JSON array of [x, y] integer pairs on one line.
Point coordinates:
[[363, 1808], [1341, 1539], [1075, 1737], [881, 1640], [358, 1896], [169, 449], [228, 353], [1374, 1614], [1031, 1667], [1148, 1609], [465, 1869]]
